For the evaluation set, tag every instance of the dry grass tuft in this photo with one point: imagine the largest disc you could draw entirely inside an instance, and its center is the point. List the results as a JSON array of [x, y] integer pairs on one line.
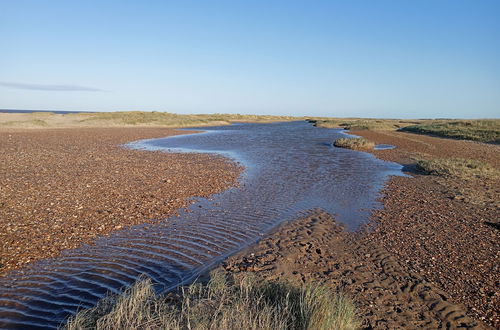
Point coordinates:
[[354, 143], [457, 167], [223, 303]]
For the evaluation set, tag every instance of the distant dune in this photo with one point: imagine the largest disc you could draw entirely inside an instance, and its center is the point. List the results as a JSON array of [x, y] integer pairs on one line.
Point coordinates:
[[124, 119]]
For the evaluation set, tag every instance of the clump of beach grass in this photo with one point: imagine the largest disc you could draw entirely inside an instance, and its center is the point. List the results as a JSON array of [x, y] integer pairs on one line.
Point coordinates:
[[357, 143], [457, 167], [223, 303]]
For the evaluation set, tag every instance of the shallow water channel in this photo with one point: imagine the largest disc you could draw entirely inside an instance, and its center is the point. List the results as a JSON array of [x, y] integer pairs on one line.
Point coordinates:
[[291, 168]]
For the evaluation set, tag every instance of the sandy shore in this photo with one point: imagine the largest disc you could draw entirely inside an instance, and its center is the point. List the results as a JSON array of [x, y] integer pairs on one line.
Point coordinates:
[[387, 294], [428, 260], [63, 187], [445, 228]]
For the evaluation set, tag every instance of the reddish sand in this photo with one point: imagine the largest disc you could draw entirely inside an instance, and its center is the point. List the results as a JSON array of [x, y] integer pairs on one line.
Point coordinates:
[[63, 187], [387, 294], [428, 260]]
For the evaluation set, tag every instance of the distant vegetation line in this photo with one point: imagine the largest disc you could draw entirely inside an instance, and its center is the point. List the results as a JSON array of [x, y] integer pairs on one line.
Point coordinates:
[[483, 130], [363, 123], [165, 118], [476, 130], [50, 111], [128, 118]]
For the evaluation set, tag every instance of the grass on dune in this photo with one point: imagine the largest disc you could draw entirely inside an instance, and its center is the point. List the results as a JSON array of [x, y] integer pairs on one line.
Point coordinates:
[[21, 123], [357, 143], [171, 119], [129, 118], [257, 118], [223, 303], [145, 118], [476, 130]]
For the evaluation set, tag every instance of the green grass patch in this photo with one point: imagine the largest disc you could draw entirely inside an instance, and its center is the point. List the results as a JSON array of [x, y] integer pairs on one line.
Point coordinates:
[[457, 167], [358, 143], [223, 303], [476, 130]]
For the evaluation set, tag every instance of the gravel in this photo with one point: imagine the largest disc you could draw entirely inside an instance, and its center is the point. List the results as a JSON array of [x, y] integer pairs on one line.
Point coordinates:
[[61, 188], [446, 229]]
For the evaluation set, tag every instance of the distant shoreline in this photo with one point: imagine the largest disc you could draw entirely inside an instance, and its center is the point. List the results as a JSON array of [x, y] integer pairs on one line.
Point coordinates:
[[59, 112]]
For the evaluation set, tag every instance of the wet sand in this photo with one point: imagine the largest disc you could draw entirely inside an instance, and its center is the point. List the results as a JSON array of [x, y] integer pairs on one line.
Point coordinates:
[[428, 260], [63, 187], [386, 293]]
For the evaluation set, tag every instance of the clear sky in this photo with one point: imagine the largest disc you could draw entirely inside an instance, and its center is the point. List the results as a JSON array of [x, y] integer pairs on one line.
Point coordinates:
[[418, 59]]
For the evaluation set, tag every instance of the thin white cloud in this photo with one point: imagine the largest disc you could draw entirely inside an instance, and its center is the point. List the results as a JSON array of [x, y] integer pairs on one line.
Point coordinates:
[[45, 87]]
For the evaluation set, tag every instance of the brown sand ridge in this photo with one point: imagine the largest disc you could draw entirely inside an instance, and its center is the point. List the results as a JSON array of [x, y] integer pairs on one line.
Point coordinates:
[[428, 260], [61, 188]]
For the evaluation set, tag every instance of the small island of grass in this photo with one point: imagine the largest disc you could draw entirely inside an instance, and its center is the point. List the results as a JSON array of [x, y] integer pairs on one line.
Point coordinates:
[[354, 143]]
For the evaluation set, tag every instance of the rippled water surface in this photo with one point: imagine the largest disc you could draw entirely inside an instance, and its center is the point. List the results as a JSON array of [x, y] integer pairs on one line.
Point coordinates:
[[290, 169]]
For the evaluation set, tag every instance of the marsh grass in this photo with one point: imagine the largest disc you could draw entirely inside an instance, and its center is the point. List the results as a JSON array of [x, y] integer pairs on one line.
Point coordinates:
[[476, 130], [357, 143], [458, 167], [485, 130], [363, 124], [223, 303]]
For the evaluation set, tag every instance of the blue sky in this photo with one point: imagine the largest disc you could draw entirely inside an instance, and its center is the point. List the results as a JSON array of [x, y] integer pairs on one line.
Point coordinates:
[[406, 59]]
